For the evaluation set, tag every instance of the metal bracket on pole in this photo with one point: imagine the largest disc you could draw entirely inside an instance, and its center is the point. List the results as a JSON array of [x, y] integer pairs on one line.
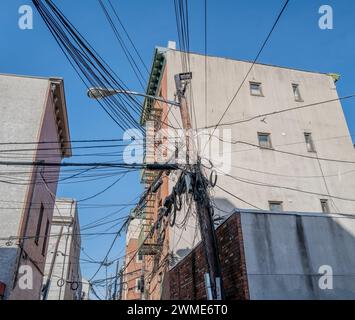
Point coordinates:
[[219, 288], [208, 287]]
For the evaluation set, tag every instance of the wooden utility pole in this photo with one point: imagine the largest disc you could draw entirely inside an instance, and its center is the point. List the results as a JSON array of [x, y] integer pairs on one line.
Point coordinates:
[[201, 196], [185, 115]]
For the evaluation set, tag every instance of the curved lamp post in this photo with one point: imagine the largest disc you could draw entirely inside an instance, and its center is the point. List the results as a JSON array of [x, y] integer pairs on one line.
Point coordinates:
[[101, 93]]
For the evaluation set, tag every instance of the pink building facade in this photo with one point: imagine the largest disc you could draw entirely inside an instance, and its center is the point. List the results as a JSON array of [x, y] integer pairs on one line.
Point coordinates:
[[34, 110]]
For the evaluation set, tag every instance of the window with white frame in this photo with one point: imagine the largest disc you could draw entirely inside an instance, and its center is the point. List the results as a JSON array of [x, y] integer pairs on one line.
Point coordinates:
[[276, 206], [139, 285], [139, 257], [325, 205], [256, 89], [309, 142], [264, 140], [297, 92]]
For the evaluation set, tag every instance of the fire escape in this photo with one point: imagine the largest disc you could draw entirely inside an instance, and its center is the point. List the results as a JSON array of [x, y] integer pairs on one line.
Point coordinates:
[[147, 241]]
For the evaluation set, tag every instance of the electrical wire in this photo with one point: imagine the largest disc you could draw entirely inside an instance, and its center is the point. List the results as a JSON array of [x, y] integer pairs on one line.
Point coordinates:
[[251, 66]]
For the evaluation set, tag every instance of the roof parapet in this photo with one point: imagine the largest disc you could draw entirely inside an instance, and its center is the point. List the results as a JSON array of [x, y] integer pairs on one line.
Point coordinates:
[[156, 74], [335, 76], [60, 107]]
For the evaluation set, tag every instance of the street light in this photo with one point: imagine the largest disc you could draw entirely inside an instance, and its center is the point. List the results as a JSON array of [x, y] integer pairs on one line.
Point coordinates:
[[101, 93]]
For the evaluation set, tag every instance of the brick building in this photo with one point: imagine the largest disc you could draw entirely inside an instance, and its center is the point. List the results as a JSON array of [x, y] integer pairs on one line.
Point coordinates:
[[274, 163], [131, 284], [271, 255], [186, 279]]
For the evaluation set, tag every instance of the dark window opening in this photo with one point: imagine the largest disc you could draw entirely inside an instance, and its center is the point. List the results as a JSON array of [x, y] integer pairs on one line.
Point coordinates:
[[325, 205], [255, 89], [39, 224], [296, 92], [264, 140], [309, 142], [276, 206]]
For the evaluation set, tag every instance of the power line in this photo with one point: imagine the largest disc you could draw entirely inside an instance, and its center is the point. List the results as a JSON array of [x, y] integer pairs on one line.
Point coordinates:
[[237, 197], [128, 36], [102, 191], [283, 111], [262, 184], [89, 164], [127, 53], [275, 174], [90, 67], [110, 248], [66, 141], [252, 65], [296, 154]]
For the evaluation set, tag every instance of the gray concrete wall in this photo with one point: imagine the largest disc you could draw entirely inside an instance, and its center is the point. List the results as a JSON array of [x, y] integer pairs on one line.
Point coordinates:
[[284, 253], [264, 174]]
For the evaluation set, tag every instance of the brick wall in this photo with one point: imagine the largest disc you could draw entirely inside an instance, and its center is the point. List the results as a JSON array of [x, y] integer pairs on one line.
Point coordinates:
[[132, 272], [187, 278]]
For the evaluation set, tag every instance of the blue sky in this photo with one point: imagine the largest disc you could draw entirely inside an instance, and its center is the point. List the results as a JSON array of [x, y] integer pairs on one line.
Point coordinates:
[[236, 29]]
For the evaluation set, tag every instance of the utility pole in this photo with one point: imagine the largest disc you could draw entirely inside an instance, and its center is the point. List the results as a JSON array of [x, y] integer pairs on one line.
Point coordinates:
[[114, 296], [121, 284], [181, 83], [201, 196]]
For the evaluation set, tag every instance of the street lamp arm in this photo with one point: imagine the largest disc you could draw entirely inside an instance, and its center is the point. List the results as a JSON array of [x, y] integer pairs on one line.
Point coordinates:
[[100, 93]]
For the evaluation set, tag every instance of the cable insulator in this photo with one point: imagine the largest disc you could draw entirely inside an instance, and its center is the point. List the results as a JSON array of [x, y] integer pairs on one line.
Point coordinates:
[[74, 286], [213, 178], [60, 282], [178, 202], [172, 217]]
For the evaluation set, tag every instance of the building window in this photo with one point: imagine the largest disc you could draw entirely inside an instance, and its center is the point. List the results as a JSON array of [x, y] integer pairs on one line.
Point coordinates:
[[255, 89], [139, 257], [309, 142], [276, 206], [325, 205], [296, 92], [39, 224], [264, 140], [140, 285], [45, 239]]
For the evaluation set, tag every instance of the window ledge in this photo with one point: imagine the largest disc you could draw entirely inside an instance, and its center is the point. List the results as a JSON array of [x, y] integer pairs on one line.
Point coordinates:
[[266, 148]]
